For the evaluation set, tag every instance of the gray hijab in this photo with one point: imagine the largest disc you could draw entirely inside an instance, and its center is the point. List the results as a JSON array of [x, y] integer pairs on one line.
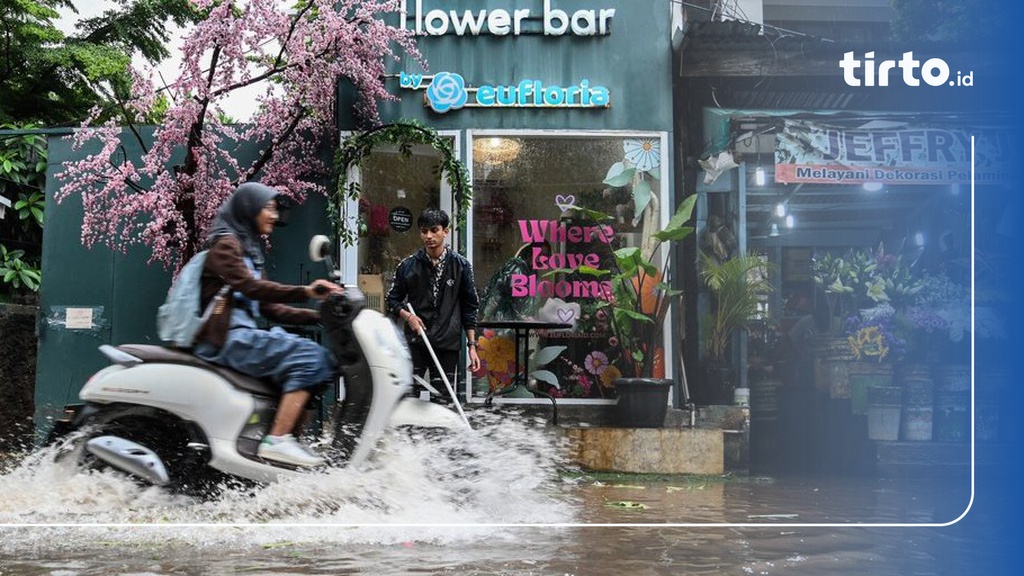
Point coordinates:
[[237, 216]]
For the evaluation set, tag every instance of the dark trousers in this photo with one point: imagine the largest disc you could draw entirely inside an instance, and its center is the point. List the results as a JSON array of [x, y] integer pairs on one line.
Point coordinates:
[[422, 363]]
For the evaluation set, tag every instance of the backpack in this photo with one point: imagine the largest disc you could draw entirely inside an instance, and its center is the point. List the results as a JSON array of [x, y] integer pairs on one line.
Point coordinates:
[[178, 320]]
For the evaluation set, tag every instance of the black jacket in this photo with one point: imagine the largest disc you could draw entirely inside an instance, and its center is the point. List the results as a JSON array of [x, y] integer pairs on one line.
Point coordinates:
[[457, 300]]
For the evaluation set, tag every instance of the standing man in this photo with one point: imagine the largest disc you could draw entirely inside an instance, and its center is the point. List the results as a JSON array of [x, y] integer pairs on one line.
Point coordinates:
[[438, 282]]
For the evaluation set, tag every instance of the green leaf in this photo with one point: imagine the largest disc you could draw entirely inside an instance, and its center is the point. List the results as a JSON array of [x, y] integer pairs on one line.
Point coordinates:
[[627, 504], [546, 377], [624, 314], [545, 355], [641, 199], [618, 175]]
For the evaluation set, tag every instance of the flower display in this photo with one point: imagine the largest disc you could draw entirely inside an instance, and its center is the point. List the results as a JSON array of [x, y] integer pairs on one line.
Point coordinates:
[[497, 359], [872, 334], [863, 278], [597, 362]]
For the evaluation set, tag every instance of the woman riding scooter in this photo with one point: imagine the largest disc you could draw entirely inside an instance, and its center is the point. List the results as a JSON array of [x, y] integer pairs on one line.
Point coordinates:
[[232, 337]]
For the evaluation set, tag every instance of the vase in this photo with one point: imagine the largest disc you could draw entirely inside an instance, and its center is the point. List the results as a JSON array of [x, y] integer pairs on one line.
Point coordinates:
[[884, 408], [642, 402], [863, 376], [717, 385], [916, 421], [831, 365], [952, 416]]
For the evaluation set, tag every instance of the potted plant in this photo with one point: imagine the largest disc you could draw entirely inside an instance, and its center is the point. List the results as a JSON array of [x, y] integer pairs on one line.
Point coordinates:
[[737, 286], [635, 307]]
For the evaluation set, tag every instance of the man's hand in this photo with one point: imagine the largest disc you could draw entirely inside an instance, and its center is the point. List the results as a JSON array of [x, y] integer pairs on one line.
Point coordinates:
[[413, 321], [320, 289]]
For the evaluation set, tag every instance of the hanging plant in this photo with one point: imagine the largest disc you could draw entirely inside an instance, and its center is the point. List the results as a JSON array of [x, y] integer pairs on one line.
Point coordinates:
[[403, 135]]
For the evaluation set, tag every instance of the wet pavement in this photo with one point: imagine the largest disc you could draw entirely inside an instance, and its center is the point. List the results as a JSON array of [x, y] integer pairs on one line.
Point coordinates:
[[514, 509]]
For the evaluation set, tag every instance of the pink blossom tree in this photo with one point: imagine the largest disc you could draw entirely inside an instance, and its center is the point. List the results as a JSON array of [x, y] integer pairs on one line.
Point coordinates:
[[166, 199]]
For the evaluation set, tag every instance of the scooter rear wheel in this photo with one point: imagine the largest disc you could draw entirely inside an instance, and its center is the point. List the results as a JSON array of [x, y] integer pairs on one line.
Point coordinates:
[[163, 433]]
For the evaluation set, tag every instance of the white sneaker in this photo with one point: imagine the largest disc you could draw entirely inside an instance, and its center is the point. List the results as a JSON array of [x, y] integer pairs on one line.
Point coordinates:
[[286, 449]]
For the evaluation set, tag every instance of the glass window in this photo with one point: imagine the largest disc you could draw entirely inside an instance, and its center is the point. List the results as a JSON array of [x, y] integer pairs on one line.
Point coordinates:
[[524, 230]]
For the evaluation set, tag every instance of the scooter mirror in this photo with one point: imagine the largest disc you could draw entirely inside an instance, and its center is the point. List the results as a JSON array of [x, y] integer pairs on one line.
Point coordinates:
[[319, 248], [320, 251]]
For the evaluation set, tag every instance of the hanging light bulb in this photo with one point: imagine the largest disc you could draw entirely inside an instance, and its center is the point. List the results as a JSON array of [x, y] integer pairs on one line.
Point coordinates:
[[759, 176], [774, 231], [780, 209], [790, 221]]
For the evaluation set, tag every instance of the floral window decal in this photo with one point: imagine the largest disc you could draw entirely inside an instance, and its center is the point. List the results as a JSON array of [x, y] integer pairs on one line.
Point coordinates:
[[644, 154]]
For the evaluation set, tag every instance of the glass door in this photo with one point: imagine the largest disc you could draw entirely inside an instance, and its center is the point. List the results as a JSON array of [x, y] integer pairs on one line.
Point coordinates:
[[395, 190]]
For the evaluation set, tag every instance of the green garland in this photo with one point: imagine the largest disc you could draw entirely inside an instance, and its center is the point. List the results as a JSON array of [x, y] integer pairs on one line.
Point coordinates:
[[404, 135]]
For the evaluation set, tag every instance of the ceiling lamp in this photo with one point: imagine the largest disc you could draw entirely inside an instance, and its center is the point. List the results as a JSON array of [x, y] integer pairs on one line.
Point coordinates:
[[774, 231], [495, 150]]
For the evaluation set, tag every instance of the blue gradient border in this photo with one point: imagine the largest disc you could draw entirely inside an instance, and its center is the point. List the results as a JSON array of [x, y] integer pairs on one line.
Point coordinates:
[[996, 517]]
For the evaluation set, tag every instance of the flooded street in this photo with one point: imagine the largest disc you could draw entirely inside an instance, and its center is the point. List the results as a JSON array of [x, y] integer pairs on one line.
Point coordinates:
[[508, 508]]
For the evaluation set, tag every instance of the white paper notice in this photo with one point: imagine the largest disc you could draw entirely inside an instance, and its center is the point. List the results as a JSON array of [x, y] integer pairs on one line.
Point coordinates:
[[78, 319]]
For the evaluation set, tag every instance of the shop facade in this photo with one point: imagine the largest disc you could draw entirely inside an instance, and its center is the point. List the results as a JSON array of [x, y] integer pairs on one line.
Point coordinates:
[[861, 203], [551, 104]]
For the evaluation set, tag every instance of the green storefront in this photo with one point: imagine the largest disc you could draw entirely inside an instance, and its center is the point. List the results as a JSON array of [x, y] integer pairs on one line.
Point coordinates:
[[547, 102]]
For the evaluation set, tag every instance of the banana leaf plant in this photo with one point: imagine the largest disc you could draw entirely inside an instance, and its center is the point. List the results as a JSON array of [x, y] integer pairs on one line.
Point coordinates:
[[641, 291]]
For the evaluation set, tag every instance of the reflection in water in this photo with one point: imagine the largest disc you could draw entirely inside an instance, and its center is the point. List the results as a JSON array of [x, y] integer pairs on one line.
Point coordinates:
[[506, 473]]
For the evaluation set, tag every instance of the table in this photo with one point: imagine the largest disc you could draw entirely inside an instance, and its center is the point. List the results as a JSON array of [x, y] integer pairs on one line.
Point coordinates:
[[521, 337]]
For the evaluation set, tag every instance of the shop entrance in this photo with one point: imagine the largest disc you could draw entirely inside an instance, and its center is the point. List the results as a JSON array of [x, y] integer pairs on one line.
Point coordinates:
[[395, 189]]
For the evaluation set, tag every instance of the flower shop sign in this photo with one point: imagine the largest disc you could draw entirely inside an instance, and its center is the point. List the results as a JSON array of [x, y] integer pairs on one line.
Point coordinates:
[[503, 22], [447, 91], [812, 152]]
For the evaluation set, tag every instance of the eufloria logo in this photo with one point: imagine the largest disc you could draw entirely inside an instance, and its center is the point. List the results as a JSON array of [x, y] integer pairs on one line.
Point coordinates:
[[933, 71], [447, 91]]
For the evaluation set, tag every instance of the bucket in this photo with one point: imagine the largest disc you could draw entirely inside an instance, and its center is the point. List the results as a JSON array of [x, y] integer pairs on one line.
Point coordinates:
[[764, 402], [830, 363], [884, 407], [741, 397], [953, 377], [918, 409], [952, 418], [861, 377], [642, 403]]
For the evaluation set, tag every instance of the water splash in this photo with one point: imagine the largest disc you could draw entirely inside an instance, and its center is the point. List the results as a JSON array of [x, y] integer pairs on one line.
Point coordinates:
[[503, 472]]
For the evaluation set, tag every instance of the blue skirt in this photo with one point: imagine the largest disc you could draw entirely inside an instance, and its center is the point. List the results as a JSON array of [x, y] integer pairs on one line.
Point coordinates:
[[290, 361]]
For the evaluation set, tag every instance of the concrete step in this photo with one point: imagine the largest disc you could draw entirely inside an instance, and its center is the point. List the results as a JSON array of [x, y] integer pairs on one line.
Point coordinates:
[[649, 450], [921, 459]]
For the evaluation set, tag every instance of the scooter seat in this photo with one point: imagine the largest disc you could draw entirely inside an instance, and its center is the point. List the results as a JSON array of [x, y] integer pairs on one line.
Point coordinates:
[[150, 353]]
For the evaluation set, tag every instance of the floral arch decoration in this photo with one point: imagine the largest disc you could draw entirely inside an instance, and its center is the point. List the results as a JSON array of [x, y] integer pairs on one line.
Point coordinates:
[[404, 135]]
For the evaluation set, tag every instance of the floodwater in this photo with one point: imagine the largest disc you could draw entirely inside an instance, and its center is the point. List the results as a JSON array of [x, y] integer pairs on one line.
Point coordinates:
[[496, 503]]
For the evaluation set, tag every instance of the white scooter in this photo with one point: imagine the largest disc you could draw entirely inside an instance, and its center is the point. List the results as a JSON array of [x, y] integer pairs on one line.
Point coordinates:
[[171, 419]]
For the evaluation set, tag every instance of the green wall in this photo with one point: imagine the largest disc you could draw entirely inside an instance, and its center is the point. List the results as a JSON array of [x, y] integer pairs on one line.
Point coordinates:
[[122, 289], [633, 62]]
